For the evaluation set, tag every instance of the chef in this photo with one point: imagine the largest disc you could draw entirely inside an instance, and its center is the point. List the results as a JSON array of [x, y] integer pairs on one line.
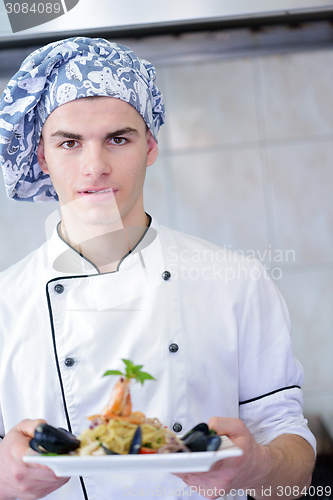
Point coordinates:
[[79, 124]]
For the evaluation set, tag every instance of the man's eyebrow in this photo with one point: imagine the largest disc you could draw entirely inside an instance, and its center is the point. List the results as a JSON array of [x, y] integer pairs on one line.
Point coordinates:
[[123, 131], [66, 135]]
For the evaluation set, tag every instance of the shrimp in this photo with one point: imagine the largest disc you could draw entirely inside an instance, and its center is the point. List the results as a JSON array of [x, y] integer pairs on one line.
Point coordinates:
[[120, 401], [120, 405]]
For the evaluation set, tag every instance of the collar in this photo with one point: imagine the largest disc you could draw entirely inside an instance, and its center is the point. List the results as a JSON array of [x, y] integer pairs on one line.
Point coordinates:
[[65, 260]]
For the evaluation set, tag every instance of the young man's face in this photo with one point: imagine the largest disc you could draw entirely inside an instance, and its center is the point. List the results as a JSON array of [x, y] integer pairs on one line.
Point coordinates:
[[96, 151]]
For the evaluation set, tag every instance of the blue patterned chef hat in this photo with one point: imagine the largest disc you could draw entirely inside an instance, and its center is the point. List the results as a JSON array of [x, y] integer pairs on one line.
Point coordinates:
[[53, 75]]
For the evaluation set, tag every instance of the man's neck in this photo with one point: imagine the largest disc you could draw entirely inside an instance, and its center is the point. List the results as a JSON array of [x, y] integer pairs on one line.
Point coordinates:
[[105, 246]]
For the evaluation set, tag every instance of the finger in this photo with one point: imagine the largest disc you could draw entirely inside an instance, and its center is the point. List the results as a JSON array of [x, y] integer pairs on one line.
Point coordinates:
[[182, 476], [223, 426], [37, 466], [40, 467], [24, 431], [40, 473], [205, 482], [186, 476], [27, 427]]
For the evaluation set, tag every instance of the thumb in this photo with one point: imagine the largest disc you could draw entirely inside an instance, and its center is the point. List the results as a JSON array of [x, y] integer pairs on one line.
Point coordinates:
[[225, 426], [20, 436], [27, 427]]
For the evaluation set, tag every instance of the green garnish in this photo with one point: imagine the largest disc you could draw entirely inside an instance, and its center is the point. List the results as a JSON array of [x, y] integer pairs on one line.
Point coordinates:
[[147, 445], [132, 371]]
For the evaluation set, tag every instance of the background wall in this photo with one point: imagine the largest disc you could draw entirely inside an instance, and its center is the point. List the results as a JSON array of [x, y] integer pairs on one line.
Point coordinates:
[[245, 161]]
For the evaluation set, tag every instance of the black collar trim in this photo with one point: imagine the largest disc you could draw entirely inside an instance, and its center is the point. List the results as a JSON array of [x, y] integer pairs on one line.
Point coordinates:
[[121, 260], [74, 250], [136, 245]]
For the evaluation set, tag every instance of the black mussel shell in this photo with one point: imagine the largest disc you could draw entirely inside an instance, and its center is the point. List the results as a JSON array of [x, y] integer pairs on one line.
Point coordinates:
[[196, 441], [136, 442], [35, 446], [48, 439], [213, 443], [108, 451], [200, 427]]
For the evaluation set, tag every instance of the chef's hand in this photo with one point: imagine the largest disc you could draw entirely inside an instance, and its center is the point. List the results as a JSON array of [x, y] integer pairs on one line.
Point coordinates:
[[20, 480], [230, 473], [287, 461]]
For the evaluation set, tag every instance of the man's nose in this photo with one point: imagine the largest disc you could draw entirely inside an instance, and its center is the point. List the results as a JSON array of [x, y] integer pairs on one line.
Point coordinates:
[[95, 161]]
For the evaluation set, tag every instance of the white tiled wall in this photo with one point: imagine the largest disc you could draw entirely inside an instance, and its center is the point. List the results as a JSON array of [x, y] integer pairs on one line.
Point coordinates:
[[302, 180], [246, 161], [212, 104], [298, 94], [208, 187]]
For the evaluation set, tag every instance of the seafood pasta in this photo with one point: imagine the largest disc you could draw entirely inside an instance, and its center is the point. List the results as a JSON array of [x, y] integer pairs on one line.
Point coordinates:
[[119, 431], [115, 430]]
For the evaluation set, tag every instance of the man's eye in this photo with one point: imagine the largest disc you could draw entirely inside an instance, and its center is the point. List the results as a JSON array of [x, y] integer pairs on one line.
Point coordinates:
[[118, 141], [69, 144]]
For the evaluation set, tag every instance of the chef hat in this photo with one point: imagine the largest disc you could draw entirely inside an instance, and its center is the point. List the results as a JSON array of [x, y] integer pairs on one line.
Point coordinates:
[[53, 75]]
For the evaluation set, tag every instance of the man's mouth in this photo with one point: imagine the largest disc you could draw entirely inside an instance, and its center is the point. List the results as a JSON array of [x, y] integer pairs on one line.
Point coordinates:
[[99, 191], [96, 191]]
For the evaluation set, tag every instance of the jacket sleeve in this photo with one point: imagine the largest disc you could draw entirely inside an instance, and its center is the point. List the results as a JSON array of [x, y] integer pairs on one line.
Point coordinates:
[[270, 378]]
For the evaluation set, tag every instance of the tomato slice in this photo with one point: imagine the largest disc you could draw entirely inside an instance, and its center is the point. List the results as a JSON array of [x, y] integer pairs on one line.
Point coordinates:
[[146, 451]]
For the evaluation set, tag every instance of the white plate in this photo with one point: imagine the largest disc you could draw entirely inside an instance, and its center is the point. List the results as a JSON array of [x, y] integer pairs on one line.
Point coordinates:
[[65, 465]]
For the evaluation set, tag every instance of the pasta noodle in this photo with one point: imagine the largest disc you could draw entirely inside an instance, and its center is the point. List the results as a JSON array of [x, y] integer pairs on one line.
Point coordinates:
[[117, 435]]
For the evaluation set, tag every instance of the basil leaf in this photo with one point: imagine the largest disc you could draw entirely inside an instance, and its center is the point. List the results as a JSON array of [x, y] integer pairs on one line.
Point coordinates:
[[112, 372]]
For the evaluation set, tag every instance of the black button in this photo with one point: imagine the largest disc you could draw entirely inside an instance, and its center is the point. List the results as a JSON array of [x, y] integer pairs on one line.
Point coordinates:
[[177, 427], [166, 275], [59, 289], [69, 362], [173, 347]]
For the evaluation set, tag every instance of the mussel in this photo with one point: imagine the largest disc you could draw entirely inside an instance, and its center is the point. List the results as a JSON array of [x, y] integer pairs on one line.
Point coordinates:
[[201, 438], [203, 427], [213, 443], [196, 441], [49, 439], [136, 442], [108, 451]]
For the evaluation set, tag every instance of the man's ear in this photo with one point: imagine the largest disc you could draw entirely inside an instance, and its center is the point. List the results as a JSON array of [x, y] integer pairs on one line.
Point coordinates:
[[152, 149], [41, 156]]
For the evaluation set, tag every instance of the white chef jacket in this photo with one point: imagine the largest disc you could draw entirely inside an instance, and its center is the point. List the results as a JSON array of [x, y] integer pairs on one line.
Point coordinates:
[[63, 324]]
